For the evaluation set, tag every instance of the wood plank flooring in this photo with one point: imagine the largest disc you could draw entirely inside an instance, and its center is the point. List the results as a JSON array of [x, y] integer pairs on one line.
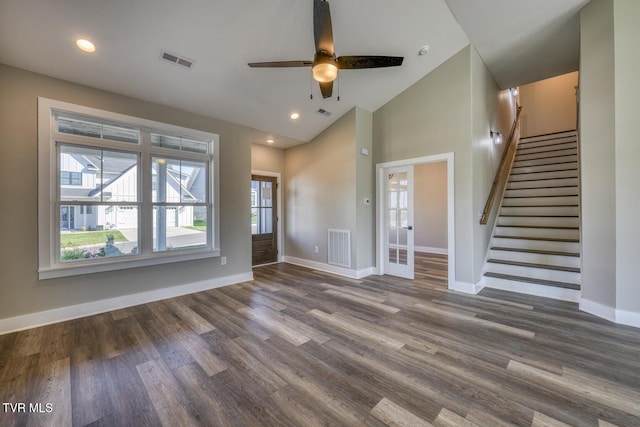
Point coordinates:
[[297, 347]]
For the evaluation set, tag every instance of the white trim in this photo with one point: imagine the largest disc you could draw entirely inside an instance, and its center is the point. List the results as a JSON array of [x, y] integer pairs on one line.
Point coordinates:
[[451, 224], [431, 250], [611, 314], [598, 309], [563, 294], [628, 318], [280, 222], [56, 315], [49, 264], [467, 288], [340, 271]]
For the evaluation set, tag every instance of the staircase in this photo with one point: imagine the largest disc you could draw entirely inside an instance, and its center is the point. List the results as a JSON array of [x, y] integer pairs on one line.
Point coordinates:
[[535, 247]]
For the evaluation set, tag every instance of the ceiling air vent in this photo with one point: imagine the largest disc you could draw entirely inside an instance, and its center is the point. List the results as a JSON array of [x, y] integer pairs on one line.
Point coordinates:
[[178, 60], [324, 112]]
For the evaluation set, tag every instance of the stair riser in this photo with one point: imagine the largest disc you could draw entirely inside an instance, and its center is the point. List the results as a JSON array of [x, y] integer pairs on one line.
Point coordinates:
[[546, 168], [543, 175], [540, 211], [525, 149], [541, 192], [548, 233], [542, 245], [538, 221], [541, 201], [535, 273], [533, 289], [548, 154], [538, 162], [560, 182], [549, 138], [534, 258]]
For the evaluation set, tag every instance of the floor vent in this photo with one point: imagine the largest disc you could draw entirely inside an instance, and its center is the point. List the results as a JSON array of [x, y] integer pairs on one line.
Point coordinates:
[[340, 248], [178, 60]]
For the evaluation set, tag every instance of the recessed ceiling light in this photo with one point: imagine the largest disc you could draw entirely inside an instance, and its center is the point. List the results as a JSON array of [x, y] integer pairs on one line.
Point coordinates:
[[294, 116], [270, 141], [424, 50], [85, 45]]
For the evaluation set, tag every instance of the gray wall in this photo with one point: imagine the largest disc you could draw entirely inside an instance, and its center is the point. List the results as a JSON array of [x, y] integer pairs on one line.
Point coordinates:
[[609, 153], [267, 159], [364, 241], [320, 190], [627, 92], [451, 109], [433, 116], [597, 153], [430, 205], [20, 290], [491, 109]]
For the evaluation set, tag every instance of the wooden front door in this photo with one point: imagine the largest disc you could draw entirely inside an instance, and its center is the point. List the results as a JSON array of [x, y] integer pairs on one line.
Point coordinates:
[[264, 220]]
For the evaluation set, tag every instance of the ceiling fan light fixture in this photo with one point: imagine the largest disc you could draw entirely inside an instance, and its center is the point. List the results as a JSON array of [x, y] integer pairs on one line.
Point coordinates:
[[325, 73], [325, 68]]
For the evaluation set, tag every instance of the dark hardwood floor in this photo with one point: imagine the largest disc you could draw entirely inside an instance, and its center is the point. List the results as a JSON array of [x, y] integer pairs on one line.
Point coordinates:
[[297, 347]]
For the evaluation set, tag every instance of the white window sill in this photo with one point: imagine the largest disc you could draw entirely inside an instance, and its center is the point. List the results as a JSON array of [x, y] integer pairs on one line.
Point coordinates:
[[75, 269]]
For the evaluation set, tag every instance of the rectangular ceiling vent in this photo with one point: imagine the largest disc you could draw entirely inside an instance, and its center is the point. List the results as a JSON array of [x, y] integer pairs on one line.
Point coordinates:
[[324, 112], [178, 60]]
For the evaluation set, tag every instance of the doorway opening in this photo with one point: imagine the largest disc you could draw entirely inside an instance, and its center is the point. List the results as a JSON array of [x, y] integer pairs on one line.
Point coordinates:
[[396, 226], [265, 213]]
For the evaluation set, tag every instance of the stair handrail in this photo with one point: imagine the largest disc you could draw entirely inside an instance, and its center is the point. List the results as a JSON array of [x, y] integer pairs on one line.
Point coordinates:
[[502, 172]]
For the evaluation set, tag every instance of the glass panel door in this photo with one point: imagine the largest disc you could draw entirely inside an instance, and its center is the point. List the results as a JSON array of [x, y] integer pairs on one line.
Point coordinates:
[[398, 222], [263, 219]]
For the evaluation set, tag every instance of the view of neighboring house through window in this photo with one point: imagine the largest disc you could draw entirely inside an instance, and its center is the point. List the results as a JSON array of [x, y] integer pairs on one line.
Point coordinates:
[[126, 190]]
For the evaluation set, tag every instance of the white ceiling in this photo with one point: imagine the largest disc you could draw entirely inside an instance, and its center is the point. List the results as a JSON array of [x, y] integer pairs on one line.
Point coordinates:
[[222, 36]]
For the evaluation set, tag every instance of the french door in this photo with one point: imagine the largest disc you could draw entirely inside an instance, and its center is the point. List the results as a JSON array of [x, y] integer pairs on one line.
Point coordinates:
[[398, 222], [264, 225]]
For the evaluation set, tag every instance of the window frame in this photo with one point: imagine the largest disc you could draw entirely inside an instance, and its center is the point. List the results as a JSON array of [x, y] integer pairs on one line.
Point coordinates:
[[49, 263]]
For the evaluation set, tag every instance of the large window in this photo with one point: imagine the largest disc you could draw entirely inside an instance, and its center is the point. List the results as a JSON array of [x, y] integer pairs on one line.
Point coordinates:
[[118, 192]]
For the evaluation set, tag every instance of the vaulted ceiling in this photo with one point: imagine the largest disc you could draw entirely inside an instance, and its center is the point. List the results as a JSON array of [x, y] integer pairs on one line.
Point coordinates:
[[521, 41]]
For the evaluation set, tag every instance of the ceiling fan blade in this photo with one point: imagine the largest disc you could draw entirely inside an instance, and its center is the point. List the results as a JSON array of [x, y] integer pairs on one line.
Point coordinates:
[[326, 89], [363, 61], [322, 29], [280, 64]]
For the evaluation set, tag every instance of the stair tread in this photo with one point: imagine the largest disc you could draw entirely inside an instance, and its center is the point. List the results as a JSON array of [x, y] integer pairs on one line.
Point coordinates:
[[548, 239], [534, 281], [535, 251]]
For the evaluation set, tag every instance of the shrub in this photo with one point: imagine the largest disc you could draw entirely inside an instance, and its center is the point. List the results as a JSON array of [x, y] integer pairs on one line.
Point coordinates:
[[71, 254]]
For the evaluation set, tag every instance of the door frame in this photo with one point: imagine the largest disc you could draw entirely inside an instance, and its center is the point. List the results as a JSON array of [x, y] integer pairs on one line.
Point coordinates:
[[380, 188], [279, 237]]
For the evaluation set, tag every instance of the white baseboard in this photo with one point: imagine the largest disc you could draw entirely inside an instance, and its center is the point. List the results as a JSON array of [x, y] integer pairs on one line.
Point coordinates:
[[629, 318], [430, 250], [611, 314], [467, 288], [56, 315], [341, 271], [598, 309]]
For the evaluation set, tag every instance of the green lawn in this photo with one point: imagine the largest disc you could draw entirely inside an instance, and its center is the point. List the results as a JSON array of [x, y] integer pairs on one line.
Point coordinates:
[[199, 225], [81, 238]]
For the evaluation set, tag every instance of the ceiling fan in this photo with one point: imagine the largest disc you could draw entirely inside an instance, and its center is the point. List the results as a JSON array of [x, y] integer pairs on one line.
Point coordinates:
[[325, 64]]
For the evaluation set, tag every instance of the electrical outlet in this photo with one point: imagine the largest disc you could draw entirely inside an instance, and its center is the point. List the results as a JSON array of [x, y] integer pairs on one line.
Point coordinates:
[[223, 260], [316, 249]]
